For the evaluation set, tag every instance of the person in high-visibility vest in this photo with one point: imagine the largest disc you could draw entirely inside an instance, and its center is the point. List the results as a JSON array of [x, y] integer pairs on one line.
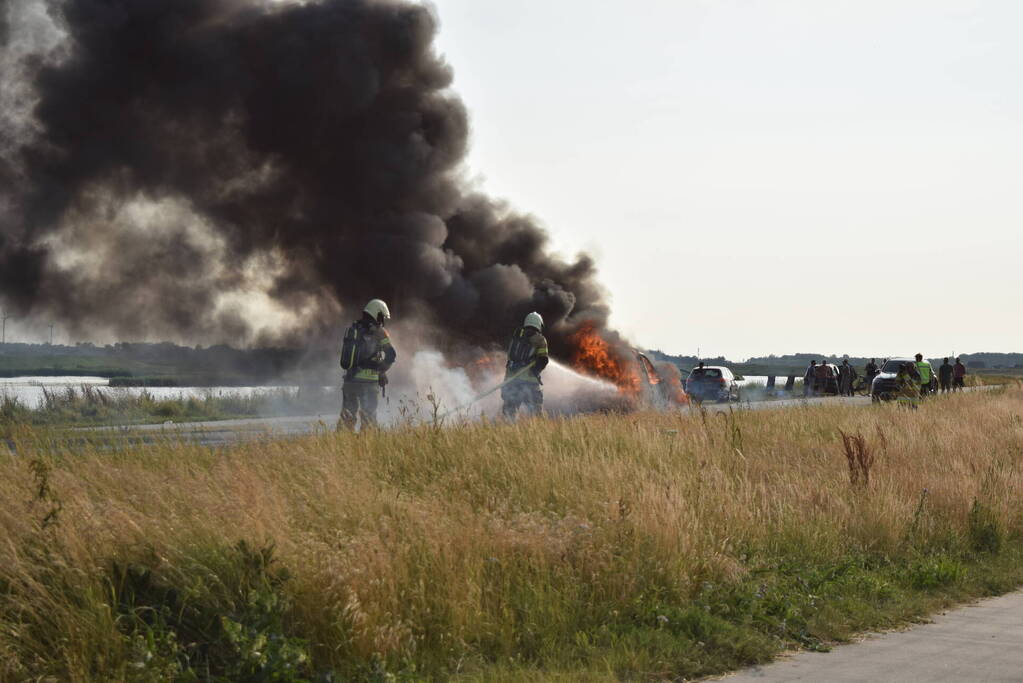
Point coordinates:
[[923, 368], [527, 357], [366, 356]]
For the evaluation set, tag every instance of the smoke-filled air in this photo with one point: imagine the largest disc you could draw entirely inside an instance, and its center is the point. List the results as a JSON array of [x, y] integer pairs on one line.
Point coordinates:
[[252, 171], [244, 171]]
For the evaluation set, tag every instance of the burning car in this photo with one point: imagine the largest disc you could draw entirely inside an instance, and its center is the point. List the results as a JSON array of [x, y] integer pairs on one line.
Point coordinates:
[[662, 384], [643, 382]]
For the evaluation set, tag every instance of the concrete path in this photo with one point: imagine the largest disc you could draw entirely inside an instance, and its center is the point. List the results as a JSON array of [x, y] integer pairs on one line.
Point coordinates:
[[980, 642]]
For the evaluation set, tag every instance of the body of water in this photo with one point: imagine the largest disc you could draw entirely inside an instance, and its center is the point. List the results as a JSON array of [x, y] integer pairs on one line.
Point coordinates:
[[29, 390], [753, 380]]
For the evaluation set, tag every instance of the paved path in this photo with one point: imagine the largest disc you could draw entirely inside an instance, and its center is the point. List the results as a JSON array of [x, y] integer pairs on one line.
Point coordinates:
[[232, 431], [247, 429], [980, 642]]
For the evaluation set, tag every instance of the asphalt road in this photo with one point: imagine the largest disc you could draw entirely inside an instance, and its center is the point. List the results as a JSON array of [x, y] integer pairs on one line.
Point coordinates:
[[980, 642], [222, 432], [232, 431]]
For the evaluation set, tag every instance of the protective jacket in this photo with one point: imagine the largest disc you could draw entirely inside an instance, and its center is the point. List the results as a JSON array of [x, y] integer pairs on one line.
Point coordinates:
[[923, 368], [375, 356], [908, 390], [527, 346]]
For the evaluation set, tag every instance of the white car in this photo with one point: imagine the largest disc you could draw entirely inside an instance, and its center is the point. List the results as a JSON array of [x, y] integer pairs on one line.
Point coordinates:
[[712, 383]]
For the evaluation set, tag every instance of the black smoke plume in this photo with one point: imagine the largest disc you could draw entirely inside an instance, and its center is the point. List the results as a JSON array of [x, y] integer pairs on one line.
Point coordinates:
[[175, 160]]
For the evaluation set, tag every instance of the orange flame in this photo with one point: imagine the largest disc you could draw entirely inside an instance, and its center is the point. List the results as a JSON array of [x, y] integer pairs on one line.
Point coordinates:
[[594, 356], [667, 381], [484, 366], [651, 374]]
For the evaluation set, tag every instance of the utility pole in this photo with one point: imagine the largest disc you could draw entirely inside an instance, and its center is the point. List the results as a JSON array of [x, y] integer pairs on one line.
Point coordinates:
[[3, 334], [51, 334]]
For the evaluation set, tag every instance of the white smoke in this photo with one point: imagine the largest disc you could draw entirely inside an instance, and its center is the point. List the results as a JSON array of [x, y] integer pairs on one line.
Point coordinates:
[[431, 390]]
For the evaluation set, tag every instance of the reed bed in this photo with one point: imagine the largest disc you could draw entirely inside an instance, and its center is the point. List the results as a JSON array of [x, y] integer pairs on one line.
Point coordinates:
[[647, 546]]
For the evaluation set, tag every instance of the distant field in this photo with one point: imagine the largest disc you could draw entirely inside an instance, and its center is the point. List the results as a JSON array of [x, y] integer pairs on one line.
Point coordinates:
[[163, 364], [1000, 373], [647, 546], [44, 365]]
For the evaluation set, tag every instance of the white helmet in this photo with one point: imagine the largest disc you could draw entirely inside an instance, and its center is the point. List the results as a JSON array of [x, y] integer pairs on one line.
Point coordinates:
[[533, 320], [377, 310]]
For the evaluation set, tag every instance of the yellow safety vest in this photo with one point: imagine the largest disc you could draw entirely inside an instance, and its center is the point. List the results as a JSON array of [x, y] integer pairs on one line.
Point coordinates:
[[923, 368]]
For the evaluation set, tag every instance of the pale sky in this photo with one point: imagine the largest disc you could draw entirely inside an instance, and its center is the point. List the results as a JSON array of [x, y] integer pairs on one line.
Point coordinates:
[[763, 177]]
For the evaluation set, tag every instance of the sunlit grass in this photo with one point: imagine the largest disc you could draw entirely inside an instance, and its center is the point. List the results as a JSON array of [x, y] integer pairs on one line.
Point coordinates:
[[647, 545]]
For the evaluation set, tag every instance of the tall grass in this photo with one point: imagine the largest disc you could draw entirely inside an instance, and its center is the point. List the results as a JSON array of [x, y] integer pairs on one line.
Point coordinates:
[[649, 545]]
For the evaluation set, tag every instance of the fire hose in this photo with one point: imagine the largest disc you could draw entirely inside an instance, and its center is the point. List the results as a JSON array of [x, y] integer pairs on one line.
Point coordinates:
[[488, 392]]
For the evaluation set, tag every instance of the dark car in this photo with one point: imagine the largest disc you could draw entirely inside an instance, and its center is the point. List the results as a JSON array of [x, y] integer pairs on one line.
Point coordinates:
[[885, 387], [712, 383]]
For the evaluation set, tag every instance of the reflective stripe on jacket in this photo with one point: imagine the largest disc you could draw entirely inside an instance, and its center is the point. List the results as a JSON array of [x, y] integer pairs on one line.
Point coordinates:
[[527, 346], [924, 369], [381, 357]]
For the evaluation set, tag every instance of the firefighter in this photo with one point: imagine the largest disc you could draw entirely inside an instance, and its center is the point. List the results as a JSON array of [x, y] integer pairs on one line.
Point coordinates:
[[907, 385], [366, 356], [923, 369], [527, 357]]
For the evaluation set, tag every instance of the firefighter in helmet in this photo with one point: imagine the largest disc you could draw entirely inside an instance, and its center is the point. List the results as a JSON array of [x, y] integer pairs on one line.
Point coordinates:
[[366, 356], [527, 357]]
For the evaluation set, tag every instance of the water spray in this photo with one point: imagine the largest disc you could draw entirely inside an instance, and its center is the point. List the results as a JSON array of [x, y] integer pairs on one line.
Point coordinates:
[[488, 392]]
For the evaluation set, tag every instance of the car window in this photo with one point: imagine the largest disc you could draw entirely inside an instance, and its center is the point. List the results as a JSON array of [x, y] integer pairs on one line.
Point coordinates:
[[893, 365], [705, 372]]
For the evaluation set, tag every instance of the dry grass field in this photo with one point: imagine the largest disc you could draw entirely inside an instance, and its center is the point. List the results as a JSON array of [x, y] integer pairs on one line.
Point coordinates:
[[648, 546]]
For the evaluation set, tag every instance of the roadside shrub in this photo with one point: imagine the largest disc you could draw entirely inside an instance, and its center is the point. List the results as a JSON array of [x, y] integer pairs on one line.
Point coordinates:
[[985, 531], [221, 617], [933, 573]]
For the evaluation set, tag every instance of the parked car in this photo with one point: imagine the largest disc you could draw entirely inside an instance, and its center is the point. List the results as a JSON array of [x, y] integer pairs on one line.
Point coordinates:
[[712, 383], [884, 386]]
